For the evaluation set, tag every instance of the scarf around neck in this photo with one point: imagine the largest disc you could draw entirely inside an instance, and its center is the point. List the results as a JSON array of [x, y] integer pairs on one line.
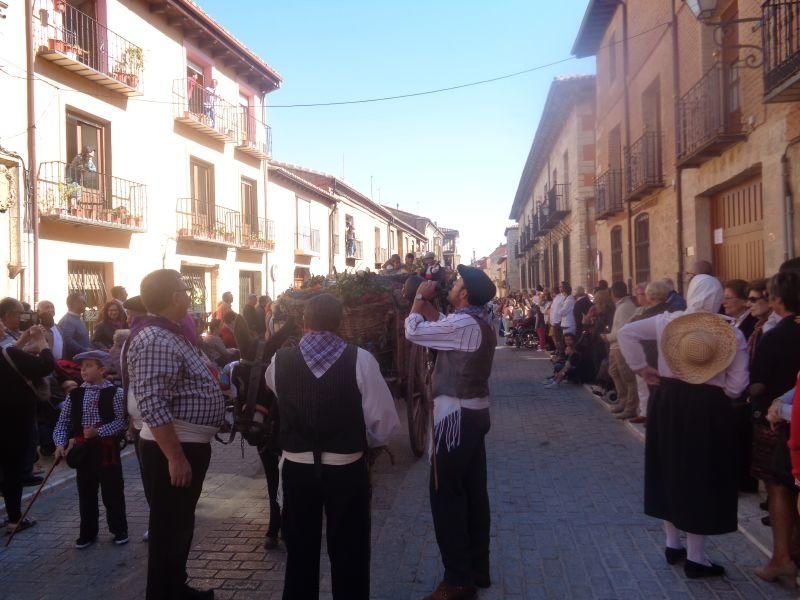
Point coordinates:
[[479, 312], [320, 350]]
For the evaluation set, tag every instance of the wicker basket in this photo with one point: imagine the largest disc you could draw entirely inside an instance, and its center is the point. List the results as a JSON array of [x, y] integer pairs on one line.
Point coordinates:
[[367, 323]]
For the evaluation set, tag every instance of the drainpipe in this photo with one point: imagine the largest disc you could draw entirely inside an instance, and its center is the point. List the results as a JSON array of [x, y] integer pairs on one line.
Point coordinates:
[[32, 166], [627, 113], [678, 170], [788, 204]]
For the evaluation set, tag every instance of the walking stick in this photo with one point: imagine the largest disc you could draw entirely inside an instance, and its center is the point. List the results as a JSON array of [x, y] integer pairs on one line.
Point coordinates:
[[35, 496]]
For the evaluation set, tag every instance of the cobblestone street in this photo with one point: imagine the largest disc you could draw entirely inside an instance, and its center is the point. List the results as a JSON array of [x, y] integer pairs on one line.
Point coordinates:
[[566, 489]]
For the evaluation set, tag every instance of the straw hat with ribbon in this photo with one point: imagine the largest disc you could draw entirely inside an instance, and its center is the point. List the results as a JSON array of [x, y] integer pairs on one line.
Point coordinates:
[[698, 346]]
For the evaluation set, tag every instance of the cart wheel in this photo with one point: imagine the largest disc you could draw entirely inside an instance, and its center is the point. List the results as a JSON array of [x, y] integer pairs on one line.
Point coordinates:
[[418, 399]]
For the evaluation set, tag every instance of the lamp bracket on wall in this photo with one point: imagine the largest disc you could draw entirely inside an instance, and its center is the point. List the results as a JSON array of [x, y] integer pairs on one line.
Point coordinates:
[[752, 56]]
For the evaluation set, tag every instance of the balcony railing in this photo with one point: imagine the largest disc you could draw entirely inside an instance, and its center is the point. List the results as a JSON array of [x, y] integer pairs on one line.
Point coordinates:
[[74, 40], [248, 137], [709, 120], [381, 256], [543, 215], [258, 234], [307, 241], [201, 108], [644, 169], [77, 194], [608, 194], [780, 32], [203, 221], [557, 199], [354, 249]]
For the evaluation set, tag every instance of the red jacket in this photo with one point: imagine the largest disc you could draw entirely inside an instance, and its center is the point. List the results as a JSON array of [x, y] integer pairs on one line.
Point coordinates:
[[227, 337], [794, 438]]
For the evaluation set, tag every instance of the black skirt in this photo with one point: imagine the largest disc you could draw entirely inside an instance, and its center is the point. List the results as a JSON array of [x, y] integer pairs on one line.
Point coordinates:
[[690, 476]]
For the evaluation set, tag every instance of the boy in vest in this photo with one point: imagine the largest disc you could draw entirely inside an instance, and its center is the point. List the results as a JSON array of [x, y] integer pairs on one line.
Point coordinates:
[[91, 422]]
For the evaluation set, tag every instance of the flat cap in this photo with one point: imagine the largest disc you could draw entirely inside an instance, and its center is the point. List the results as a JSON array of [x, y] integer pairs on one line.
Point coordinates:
[[98, 355], [479, 286], [134, 303]]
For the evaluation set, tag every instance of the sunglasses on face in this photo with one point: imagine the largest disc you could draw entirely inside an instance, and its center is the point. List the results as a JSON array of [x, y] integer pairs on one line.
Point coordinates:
[[753, 299]]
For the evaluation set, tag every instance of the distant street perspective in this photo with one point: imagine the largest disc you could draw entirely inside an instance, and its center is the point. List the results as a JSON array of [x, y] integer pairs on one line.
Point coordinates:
[[565, 485]]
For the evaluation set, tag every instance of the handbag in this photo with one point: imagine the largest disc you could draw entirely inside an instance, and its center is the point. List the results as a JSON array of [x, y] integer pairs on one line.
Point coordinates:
[[39, 387]]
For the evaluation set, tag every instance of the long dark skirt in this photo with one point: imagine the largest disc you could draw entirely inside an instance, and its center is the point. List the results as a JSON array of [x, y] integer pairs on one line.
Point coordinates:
[[690, 476]]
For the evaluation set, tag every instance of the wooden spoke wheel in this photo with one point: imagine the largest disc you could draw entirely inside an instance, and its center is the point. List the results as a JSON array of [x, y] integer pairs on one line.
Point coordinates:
[[419, 402]]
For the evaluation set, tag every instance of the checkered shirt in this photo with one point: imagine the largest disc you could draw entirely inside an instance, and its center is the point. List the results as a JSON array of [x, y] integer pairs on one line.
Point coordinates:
[[170, 380], [91, 414]]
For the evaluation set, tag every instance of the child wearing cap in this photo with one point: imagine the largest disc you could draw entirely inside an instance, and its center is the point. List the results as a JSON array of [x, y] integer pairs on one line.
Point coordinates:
[[91, 422]]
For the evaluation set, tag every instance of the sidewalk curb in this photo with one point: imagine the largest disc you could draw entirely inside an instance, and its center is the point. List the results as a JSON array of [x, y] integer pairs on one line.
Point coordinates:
[[639, 433], [56, 483]]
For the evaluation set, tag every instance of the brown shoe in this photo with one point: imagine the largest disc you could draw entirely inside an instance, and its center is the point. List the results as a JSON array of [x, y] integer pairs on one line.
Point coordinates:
[[625, 415], [639, 420], [445, 591]]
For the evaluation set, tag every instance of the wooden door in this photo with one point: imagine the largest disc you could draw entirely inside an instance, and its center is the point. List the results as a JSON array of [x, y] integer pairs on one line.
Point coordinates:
[[737, 232]]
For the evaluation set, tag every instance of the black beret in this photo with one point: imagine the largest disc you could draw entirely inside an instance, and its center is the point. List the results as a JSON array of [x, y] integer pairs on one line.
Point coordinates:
[[480, 287], [135, 303]]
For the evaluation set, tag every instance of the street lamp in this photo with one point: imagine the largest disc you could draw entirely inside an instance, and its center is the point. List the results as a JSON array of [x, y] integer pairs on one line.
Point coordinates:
[[703, 9]]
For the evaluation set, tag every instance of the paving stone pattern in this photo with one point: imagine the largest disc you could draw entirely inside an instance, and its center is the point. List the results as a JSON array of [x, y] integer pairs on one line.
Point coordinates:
[[565, 480]]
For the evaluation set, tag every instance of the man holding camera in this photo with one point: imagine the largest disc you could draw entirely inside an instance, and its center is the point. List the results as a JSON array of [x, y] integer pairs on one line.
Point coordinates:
[[465, 342]]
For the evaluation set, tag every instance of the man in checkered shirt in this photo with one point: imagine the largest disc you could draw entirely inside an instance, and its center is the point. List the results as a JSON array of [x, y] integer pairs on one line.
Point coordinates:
[[182, 408]]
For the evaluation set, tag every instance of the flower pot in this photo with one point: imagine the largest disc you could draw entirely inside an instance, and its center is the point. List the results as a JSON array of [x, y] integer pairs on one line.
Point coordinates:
[[137, 221], [183, 232]]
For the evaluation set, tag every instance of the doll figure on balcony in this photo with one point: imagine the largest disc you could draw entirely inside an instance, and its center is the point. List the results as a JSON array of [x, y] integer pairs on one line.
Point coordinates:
[[83, 180]]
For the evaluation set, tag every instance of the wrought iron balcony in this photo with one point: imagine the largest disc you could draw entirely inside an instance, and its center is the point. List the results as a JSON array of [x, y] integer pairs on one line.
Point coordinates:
[[249, 138], [780, 32], [76, 194], [557, 199], [543, 213], [709, 120], [307, 242], [608, 194], [203, 221], [644, 168], [77, 42], [258, 234], [201, 108]]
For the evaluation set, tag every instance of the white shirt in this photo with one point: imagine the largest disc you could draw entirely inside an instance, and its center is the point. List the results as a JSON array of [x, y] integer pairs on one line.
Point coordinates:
[[555, 309], [732, 380], [58, 342], [568, 315], [772, 320], [377, 403]]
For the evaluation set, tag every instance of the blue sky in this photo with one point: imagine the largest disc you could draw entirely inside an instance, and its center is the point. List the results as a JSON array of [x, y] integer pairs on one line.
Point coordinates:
[[455, 156]]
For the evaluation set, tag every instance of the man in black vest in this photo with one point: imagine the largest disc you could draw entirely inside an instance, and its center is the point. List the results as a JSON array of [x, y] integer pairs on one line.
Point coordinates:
[[465, 342], [333, 405]]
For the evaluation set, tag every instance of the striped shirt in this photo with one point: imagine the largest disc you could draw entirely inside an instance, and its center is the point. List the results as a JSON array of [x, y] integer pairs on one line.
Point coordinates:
[[170, 381], [456, 331], [91, 414]]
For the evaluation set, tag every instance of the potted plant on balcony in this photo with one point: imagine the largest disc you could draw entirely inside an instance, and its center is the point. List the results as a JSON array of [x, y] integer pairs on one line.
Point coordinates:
[[128, 67], [137, 221]]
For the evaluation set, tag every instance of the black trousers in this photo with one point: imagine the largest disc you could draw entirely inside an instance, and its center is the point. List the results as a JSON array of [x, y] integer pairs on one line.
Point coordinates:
[[145, 482], [90, 476], [270, 459], [343, 493], [13, 461], [171, 518], [460, 507]]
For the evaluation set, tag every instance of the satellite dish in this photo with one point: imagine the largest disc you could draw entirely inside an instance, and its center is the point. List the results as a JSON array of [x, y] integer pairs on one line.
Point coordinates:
[[274, 272]]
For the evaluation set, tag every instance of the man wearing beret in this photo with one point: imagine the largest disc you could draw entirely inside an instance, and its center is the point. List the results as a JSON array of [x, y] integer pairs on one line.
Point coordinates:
[[465, 343]]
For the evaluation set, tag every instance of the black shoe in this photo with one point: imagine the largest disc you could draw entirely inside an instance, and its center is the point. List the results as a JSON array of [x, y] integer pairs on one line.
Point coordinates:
[[482, 581], [120, 539], [32, 481], [766, 521], [694, 570], [270, 542], [764, 505], [83, 542], [192, 594], [674, 555]]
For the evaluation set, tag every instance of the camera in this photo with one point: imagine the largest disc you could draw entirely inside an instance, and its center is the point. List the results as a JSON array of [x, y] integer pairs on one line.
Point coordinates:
[[28, 319]]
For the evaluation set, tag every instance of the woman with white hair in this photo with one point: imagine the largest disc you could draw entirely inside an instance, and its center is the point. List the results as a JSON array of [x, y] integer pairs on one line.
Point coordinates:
[[690, 479]]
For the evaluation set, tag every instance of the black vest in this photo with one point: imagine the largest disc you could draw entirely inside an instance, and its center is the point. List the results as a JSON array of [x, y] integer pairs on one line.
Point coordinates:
[[465, 375], [319, 415], [105, 406]]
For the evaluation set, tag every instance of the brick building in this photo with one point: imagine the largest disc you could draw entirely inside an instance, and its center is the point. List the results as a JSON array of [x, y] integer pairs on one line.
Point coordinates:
[[697, 123], [553, 203]]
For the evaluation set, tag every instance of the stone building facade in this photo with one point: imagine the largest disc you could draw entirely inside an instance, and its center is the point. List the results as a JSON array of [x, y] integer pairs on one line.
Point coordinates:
[[553, 203], [696, 131]]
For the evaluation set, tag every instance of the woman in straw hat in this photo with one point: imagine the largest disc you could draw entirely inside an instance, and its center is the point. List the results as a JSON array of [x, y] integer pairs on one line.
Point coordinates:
[[690, 479]]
